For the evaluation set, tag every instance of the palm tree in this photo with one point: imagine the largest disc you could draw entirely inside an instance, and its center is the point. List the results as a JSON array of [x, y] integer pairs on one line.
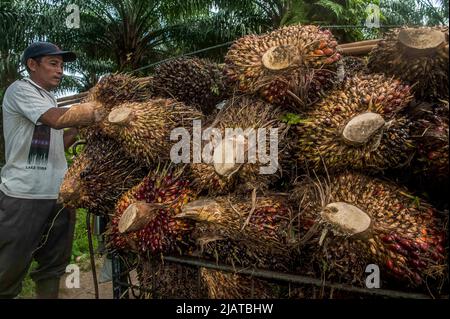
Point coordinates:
[[19, 28], [415, 12], [323, 12], [130, 33]]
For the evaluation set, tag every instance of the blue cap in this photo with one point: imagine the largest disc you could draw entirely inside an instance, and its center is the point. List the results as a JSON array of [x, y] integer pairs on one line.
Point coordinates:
[[38, 49]]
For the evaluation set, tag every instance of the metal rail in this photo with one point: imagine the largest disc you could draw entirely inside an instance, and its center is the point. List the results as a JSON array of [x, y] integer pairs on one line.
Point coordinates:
[[291, 278], [119, 285]]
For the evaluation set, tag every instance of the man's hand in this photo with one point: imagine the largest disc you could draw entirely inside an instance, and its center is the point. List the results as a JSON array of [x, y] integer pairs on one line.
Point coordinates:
[[70, 136]]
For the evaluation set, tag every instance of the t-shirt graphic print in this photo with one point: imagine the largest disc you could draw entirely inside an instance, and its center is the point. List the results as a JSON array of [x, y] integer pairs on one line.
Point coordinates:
[[40, 147], [34, 152]]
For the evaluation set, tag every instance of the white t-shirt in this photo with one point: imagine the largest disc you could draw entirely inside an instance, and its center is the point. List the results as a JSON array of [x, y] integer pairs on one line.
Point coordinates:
[[34, 152]]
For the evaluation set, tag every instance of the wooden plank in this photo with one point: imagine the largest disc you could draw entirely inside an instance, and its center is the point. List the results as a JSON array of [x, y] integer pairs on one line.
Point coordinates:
[[357, 50], [72, 97], [70, 102], [359, 43]]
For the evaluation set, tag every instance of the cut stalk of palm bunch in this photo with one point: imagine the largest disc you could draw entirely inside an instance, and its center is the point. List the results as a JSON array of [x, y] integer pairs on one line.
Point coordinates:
[[236, 159], [242, 231], [349, 221], [418, 56], [358, 126], [144, 128], [115, 89], [143, 217], [284, 63]]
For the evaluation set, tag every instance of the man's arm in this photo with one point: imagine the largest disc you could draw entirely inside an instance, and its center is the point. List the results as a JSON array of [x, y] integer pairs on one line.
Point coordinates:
[[70, 136], [51, 117], [83, 114]]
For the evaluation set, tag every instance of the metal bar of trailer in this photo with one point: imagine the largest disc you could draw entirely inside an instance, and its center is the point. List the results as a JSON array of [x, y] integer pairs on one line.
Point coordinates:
[[72, 97], [294, 278], [117, 277]]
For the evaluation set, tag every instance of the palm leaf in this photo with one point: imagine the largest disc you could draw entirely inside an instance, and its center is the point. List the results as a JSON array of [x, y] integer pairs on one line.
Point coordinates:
[[332, 6]]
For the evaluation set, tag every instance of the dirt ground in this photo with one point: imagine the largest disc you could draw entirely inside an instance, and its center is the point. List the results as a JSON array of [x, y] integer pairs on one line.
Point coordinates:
[[86, 290]]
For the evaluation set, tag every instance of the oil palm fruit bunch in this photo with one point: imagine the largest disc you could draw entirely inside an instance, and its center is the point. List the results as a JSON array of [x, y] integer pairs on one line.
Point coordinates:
[[358, 126], [280, 62], [194, 81], [118, 88], [430, 133], [222, 285], [99, 176], [350, 221], [70, 191], [241, 231], [237, 161], [144, 128], [352, 65], [143, 217], [115, 89], [418, 56], [166, 280], [308, 86]]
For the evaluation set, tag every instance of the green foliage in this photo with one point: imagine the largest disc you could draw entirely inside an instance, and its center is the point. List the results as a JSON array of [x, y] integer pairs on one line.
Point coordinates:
[[415, 12], [70, 156], [28, 285], [126, 35], [292, 119], [332, 6], [80, 248]]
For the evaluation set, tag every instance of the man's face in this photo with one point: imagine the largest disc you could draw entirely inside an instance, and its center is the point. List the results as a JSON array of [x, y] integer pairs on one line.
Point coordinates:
[[48, 72]]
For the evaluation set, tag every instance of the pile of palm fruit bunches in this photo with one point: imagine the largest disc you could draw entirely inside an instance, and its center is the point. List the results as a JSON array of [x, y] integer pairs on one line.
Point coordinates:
[[355, 151]]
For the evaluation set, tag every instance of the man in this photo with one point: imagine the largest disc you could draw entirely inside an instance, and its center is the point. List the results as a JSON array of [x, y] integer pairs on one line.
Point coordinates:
[[32, 224]]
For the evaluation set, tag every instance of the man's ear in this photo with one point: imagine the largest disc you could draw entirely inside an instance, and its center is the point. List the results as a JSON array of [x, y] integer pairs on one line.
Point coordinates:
[[32, 64]]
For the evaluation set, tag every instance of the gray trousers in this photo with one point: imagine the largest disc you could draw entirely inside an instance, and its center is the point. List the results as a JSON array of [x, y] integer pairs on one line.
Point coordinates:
[[24, 224]]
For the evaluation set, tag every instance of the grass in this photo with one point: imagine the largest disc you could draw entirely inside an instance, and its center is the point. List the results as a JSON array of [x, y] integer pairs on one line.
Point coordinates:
[[80, 253]]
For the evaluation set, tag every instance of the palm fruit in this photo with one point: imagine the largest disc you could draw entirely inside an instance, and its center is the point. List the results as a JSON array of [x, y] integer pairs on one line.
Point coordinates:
[[430, 133], [70, 191], [416, 55], [358, 126], [194, 81], [99, 176], [222, 285], [226, 172], [283, 62], [144, 128], [163, 192], [166, 280], [241, 231], [352, 65], [350, 221], [116, 89]]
